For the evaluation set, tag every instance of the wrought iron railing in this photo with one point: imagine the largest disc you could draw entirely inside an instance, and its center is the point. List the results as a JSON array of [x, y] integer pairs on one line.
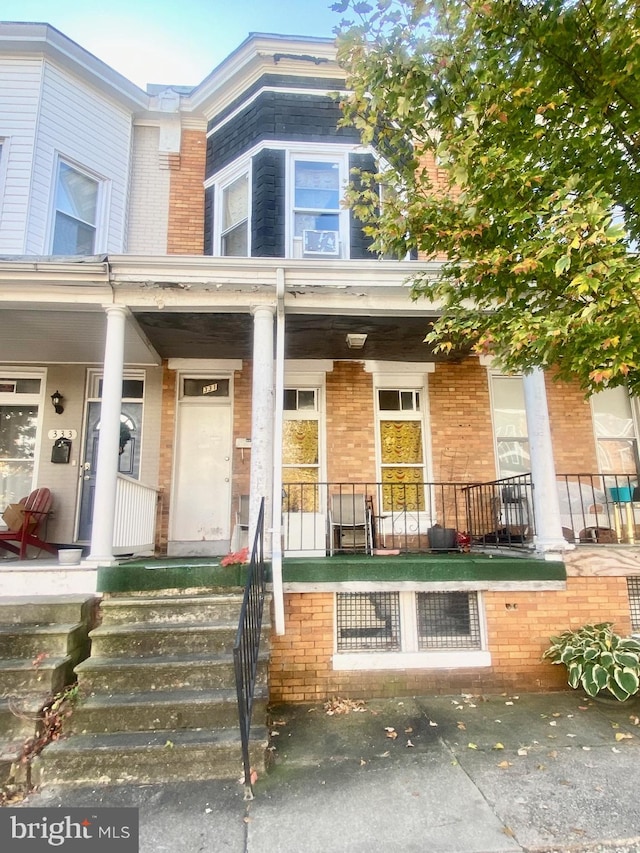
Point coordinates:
[[327, 518], [246, 650]]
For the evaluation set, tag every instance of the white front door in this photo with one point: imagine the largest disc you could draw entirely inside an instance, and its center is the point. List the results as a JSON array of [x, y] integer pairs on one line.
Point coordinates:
[[201, 499]]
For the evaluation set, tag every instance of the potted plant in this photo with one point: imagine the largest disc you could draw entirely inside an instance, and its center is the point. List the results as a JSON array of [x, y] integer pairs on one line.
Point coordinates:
[[598, 660]]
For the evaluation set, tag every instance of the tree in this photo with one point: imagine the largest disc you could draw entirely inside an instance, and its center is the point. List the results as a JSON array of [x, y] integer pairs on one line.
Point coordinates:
[[530, 112]]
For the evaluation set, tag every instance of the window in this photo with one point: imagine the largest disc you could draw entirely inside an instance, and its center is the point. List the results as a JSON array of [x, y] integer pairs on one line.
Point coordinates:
[[448, 620], [409, 629], [510, 426], [633, 588], [76, 212], [317, 192], [301, 450], [234, 238], [19, 404], [401, 449], [615, 432]]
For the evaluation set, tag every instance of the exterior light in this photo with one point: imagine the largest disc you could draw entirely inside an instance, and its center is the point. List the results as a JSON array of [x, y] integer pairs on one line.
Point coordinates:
[[56, 401], [356, 341]]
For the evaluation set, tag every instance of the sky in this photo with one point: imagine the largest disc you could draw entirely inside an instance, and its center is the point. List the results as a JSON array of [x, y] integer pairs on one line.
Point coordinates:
[[171, 41]]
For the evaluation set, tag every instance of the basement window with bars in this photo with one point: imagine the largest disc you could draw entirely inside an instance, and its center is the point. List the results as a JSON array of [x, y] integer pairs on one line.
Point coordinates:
[[633, 588], [377, 630]]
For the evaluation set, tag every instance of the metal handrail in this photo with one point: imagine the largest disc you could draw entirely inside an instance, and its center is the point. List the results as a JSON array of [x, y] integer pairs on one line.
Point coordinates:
[[246, 648]]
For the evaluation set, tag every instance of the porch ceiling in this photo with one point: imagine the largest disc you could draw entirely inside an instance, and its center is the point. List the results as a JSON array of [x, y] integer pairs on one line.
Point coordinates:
[[64, 336], [209, 335]]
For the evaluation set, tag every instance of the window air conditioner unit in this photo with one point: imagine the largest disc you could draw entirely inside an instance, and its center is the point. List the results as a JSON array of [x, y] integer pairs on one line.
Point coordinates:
[[320, 242]]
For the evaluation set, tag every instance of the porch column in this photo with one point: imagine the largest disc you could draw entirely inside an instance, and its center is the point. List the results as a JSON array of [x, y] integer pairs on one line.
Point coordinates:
[[104, 502], [262, 407], [543, 473]]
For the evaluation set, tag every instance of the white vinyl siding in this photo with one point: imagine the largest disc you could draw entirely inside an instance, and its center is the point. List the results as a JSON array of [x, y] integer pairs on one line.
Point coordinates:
[[85, 128], [20, 81]]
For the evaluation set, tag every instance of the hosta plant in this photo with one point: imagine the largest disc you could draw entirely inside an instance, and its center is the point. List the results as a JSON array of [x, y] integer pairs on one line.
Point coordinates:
[[598, 660]]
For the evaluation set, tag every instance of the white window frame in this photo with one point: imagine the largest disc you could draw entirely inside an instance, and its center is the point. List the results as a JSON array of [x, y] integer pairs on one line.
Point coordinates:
[[100, 241], [409, 656], [524, 440], [328, 155], [36, 399], [220, 187], [635, 420]]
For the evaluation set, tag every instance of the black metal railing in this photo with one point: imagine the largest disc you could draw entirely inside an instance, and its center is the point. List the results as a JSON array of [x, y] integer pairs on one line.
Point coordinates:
[[599, 508], [246, 649], [334, 517], [500, 513]]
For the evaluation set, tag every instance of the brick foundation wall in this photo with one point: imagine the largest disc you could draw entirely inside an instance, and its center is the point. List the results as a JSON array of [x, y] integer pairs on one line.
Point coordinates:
[[519, 625], [185, 234]]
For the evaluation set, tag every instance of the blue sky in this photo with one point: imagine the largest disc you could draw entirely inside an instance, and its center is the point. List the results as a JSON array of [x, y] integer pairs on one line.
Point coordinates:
[[171, 41]]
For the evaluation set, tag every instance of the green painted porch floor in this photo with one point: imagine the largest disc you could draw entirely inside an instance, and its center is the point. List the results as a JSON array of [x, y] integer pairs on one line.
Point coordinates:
[[185, 572]]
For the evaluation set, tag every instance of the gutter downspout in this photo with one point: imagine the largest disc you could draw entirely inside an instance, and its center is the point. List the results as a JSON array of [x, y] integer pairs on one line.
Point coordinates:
[[276, 547]]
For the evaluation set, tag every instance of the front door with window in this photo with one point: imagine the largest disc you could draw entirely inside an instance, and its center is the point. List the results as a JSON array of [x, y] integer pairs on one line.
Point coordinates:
[[201, 496], [128, 461]]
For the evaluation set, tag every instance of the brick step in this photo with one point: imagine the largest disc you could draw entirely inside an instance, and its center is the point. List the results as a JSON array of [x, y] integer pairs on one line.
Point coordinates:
[[141, 675], [119, 610], [52, 674], [150, 757], [46, 609], [159, 639], [19, 715], [29, 641], [163, 710]]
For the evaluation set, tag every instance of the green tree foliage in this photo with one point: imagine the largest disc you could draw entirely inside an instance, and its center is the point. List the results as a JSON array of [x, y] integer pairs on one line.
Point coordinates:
[[530, 110]]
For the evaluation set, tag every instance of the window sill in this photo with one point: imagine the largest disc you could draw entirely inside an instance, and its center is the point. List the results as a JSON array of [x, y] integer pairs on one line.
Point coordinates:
[[445, 659]]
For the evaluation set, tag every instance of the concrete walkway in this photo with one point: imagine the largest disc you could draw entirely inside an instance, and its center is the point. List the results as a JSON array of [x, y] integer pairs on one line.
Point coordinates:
[[455, 774]]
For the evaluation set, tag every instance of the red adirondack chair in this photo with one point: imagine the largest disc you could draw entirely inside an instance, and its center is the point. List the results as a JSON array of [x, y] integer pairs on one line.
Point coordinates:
[[36, 508]]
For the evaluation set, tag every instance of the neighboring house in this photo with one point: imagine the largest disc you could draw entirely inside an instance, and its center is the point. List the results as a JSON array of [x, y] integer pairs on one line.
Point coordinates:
[[180, 262]]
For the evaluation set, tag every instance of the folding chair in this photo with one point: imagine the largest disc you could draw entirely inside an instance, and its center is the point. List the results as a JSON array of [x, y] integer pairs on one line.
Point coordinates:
[[350, 525]]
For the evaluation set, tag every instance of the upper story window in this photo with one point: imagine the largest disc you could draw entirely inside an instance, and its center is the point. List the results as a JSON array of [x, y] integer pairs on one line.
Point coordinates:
[[318, 221], [234, 237], [76, 212]]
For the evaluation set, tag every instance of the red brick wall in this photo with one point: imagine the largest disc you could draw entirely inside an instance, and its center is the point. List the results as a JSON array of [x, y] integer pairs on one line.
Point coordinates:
[[519, 625], [186, 196], [351, 455]]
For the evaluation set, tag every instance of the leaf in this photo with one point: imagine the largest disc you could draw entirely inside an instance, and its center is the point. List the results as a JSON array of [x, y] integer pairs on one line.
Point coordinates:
[[498, 745], [623, 736], [409, 743], [433, 723], [522, 751], [472, 746], [461, 726], [504, 764]]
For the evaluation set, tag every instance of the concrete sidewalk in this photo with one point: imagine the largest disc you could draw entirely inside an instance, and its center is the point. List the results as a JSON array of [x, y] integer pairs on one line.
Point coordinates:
[[459, 774]]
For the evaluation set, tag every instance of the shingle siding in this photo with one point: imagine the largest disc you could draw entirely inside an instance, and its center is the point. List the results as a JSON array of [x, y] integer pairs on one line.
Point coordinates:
[[359, 241], [281, 116], [268, 203], [209, 198]]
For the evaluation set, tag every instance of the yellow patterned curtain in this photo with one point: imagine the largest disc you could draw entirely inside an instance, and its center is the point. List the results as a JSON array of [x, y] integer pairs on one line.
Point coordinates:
[[300, 443], [401, 452], [401, 442], [300, 494]]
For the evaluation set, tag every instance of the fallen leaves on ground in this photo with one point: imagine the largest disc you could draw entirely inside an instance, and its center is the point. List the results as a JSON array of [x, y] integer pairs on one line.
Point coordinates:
[[391, 732], [623, 736], [338, 705]]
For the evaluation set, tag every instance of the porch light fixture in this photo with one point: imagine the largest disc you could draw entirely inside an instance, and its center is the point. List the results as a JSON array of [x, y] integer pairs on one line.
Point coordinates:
[[356, 341], [56, 400]]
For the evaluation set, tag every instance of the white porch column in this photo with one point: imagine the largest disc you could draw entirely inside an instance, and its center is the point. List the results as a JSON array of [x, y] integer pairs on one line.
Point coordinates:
[[543, 473], [104, 503], [262, 403]]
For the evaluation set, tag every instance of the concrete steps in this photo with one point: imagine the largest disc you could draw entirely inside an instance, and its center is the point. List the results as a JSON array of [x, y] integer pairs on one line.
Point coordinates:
[[41, 641], [158, 698]]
